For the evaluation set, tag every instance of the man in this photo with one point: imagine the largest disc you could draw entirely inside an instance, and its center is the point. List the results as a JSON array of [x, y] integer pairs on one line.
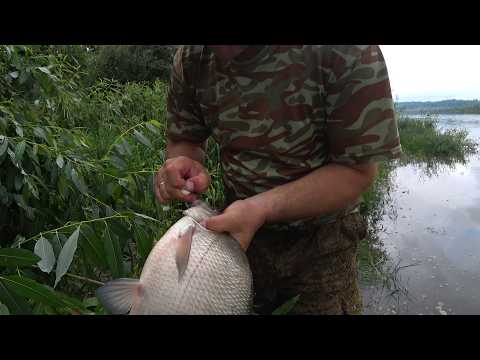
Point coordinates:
[[301, 129]]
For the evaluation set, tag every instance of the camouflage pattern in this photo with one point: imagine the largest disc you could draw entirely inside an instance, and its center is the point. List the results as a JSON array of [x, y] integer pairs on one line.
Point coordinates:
[[283, 111], [319, 264]]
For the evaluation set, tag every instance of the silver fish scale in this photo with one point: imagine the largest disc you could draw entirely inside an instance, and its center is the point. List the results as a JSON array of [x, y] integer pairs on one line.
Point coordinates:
[[225, 285], [217, 280]]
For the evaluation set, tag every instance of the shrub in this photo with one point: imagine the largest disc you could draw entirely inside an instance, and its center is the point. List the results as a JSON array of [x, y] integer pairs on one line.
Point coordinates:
[[76, 170], [126, 63]]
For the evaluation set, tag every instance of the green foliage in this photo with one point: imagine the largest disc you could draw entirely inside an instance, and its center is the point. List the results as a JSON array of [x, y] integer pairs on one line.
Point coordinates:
[[126, 63], [17, 258], [76, 180], [432, 148], [286, 307]]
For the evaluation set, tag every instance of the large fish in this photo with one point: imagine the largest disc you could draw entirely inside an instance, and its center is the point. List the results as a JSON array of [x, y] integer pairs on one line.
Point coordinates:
[[191, 270]]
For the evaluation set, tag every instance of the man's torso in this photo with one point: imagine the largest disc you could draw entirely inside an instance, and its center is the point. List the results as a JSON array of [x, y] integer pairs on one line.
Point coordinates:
[[268, 112]]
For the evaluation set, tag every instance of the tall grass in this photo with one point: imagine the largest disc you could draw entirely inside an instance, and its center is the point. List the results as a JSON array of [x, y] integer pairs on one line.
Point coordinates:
[[424, 141]]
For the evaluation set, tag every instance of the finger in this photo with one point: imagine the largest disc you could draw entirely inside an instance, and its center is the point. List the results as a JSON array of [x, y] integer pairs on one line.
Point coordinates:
[[173, 175], [218, 223], [181, 194], [200, 182], [158, 196], [157, 188], [163, 193], [189, 186]]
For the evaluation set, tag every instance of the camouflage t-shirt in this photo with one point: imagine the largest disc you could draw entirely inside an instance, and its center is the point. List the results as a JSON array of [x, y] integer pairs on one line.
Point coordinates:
[[285, 111]]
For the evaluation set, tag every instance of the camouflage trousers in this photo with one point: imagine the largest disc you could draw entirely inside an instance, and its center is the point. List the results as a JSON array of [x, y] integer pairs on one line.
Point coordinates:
[[319, 264]]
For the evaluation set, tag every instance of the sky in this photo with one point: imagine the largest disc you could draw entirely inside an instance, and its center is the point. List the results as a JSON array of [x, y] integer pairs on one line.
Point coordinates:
[[433, 72]]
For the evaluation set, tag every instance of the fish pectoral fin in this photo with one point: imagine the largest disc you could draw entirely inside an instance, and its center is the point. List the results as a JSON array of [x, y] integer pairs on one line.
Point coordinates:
[[182, 252], [118, 296]]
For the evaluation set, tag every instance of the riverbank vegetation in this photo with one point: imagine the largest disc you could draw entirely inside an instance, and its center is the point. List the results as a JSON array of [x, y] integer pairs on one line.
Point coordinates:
[[427, 146], [81, 135]]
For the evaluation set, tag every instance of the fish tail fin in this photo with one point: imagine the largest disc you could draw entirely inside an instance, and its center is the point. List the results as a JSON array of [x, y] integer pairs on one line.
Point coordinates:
[[118, 296]]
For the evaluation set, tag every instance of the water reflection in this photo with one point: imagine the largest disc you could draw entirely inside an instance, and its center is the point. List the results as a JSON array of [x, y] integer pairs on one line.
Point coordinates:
[[427, 239]]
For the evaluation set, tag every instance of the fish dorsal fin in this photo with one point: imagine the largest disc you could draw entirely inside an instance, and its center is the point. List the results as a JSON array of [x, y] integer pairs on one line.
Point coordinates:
[[182, 251], [118, 296]]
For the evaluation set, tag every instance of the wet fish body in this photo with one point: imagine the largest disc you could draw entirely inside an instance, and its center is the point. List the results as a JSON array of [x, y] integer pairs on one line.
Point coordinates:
[[191, 270]]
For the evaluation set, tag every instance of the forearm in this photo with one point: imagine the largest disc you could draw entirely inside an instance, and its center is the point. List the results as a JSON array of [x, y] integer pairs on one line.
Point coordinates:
[[327, 189], [194, 151]]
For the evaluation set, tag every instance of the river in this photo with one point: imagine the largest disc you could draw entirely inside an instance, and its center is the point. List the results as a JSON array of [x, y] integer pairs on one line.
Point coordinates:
[[433, 229]]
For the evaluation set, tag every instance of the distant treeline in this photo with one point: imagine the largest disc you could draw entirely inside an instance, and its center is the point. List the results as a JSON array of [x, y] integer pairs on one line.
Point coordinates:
[[440, 107]]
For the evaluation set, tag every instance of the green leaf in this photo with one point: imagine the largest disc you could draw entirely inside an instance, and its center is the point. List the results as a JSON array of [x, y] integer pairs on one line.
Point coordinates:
[[140, 137], [18, 241], [32, 187], [72, 303], [63, 187], [19, 130], [93, 247], [156, 123], [79, 182], [66, 256], [152, 128], [60, 161], [44, 250], [144, 242], [24, 76], [56, 244], [146, 217], [126, 146], [19, 150], [118, 162], [33, 290], [15, 303], [4, 310], [286, 307], [113, 253], [18, 182], [90, 302], [3, 145], [12, 156], [10, 257], [120, 148], [44, 70], [29, 211], [39, 132], [3, 124]]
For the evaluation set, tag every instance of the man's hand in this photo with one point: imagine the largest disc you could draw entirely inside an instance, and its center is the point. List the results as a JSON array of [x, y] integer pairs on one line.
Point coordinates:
[[177, 174], [329, 188], [241, 220]]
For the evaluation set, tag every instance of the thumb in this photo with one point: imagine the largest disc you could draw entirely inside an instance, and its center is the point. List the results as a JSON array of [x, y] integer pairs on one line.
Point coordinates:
[[217, 223], [200, 182]]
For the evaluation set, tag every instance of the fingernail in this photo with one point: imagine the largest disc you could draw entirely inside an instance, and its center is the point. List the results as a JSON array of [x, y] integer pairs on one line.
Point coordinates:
[[189, 185]]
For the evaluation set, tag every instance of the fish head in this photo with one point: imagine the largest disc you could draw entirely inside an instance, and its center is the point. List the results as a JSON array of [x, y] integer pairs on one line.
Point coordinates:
[[200, 211]]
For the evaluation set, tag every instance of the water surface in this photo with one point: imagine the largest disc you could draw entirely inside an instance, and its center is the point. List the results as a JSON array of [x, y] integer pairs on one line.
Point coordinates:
[[435, 226]]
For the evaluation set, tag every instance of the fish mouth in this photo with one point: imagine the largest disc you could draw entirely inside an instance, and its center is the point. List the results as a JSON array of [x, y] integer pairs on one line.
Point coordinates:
[[200, 211]]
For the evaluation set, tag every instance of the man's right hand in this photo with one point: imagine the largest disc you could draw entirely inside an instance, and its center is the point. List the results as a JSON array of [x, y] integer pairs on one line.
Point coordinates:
[[177, 174]]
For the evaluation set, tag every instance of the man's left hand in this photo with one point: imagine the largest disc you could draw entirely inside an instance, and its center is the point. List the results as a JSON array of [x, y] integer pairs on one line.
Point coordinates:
[[241, 219]]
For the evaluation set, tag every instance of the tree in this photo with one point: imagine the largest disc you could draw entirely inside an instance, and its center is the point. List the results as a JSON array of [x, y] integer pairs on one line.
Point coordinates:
[[133, 62]]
